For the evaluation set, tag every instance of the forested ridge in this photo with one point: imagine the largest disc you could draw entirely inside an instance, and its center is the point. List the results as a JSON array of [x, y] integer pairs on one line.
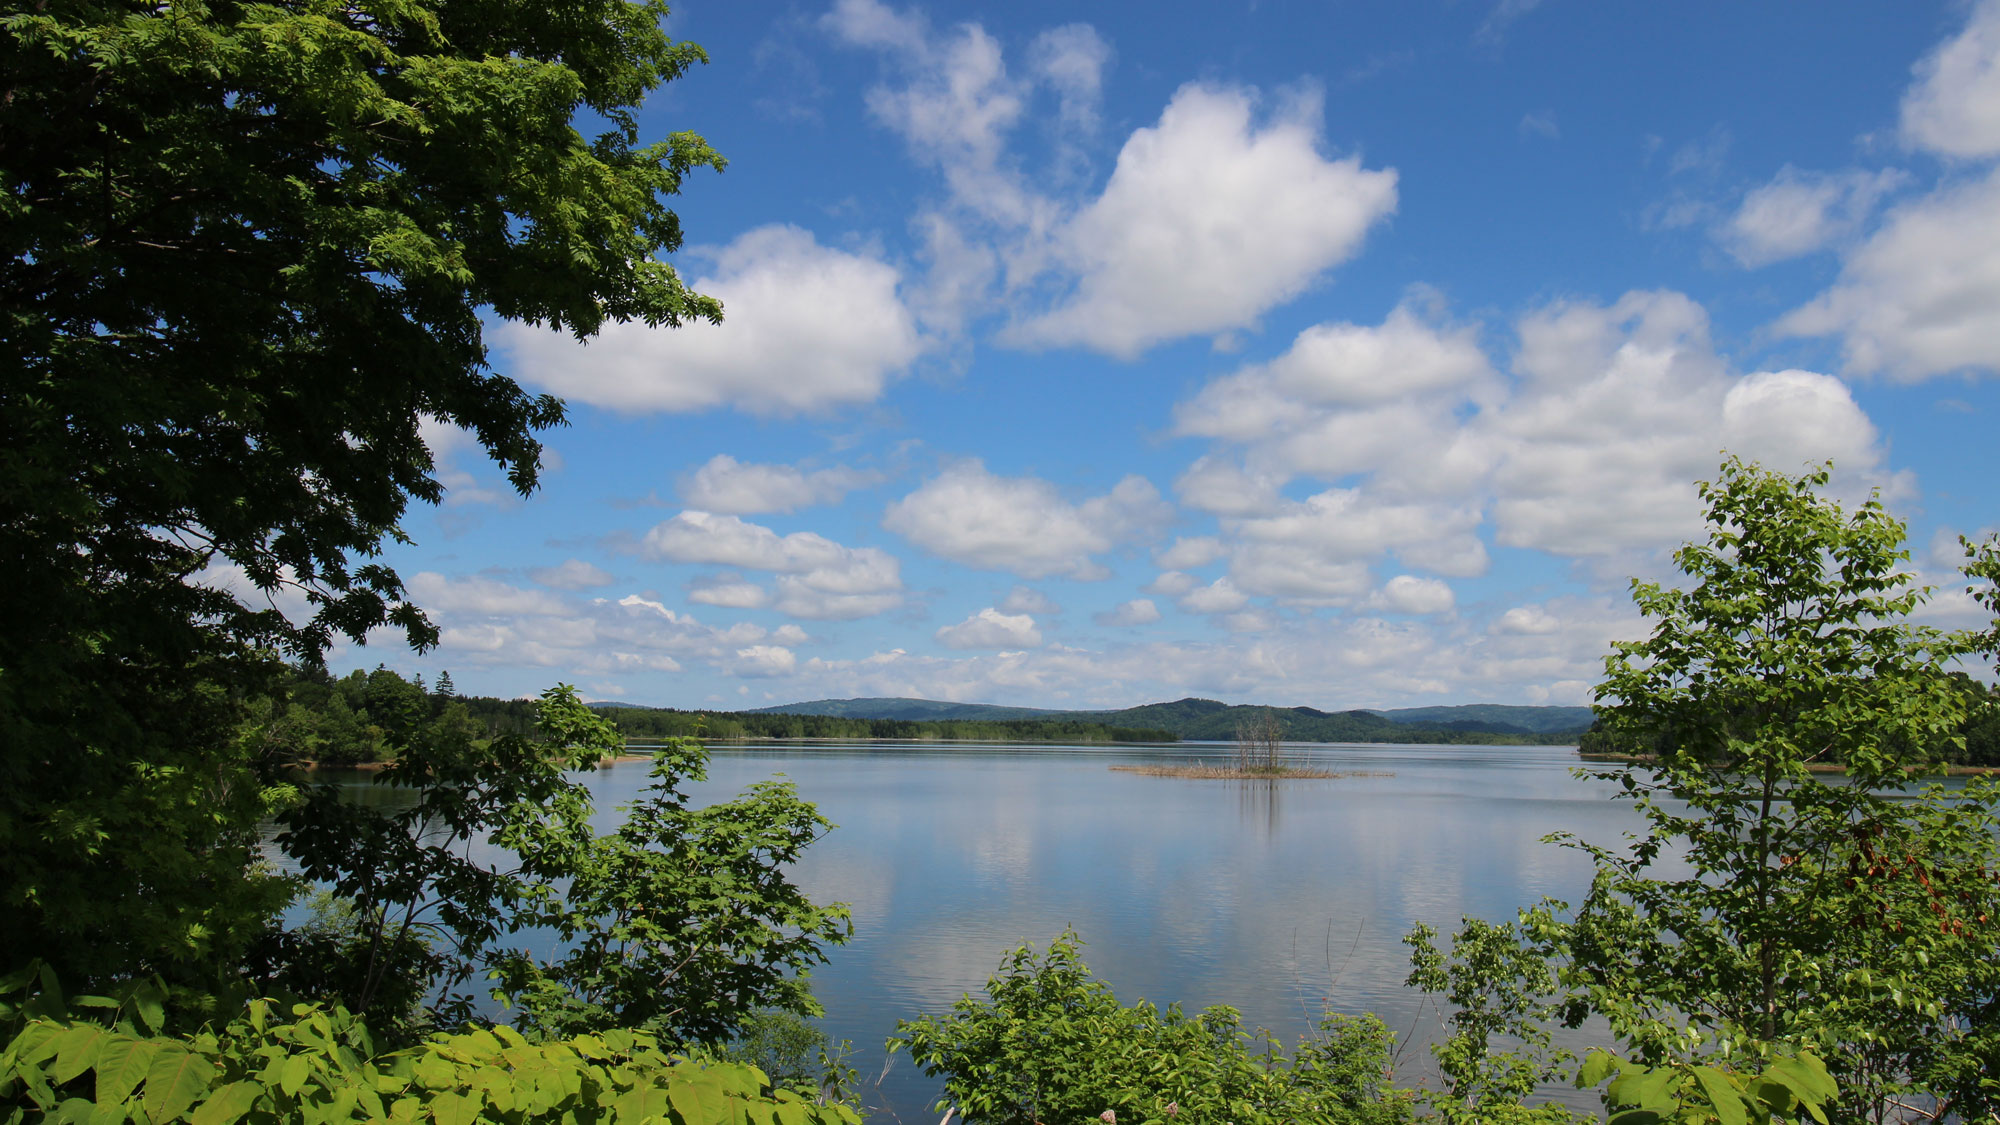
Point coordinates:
[[362, 716]]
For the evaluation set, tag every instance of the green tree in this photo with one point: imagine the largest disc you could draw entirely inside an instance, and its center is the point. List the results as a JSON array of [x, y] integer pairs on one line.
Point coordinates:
[[248, 249], [1052, 1044], [683, 922], [1852, 917]]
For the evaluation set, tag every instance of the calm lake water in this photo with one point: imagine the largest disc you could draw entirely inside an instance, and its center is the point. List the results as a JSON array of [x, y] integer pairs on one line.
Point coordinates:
[[1281, 899]]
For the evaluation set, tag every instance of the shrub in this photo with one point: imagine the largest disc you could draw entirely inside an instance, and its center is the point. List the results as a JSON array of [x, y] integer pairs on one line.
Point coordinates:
[[1050, 1044]]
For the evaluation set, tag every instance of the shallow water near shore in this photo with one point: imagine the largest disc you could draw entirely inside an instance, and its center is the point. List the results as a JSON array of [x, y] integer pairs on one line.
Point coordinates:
[[1281, 898]]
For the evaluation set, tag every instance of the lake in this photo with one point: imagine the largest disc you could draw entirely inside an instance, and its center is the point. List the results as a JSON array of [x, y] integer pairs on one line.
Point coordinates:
[[1281, 899], [1277, 898]]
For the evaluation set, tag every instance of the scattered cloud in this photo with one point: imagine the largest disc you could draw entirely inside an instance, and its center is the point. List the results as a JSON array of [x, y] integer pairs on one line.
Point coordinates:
[[1023, 524], [481, 597], [1586, 448], [1620, 407], [1025, 599], [1953, 107], [1209, 220], [1493, 31], [1541, 124], [1921, 295], [1220, 486], [991, 629], [806, 328], [1526, 620], [1219, 596], [818, 579], [572, 574], [451, 447], [728, 591], [1186, 554], [764, 662], [1703, 156], [1138, 611], [1071, 60], [1407, 593], [724, 484], [1801, 212]]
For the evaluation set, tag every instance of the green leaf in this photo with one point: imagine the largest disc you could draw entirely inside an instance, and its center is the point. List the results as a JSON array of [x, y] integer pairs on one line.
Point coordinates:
[[642, 1101], [174, 1080], [293, 1075], [696, 1101], [1597, 1066], [76, 1051], [227, 1105], [1723, 1096], [149, 1001], [121, 1066], [448, 1108]]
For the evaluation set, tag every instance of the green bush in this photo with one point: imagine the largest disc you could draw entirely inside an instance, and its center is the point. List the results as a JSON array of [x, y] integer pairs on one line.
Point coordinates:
[[1052, 1045], [319, 1066]]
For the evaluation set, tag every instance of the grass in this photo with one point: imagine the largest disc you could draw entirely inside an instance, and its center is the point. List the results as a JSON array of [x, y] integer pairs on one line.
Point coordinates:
[[1259, 772]]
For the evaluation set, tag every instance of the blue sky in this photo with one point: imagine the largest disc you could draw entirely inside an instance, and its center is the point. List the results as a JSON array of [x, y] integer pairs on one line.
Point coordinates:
[[1321, 354]]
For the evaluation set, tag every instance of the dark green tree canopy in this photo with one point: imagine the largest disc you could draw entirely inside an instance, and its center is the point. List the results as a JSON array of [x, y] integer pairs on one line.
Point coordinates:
[[248, 251]]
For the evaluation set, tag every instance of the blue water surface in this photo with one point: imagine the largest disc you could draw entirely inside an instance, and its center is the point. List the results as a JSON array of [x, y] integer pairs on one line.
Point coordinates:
[[1282, 899]]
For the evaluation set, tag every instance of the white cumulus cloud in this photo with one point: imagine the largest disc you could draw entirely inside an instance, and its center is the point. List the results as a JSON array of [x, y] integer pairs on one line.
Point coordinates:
[[818, 578], [1209, 220], [1921, 296], [1953, 108], [728, 591], [1800, 212], [724, 484], [991, 629], [1219, 596], [1407, 593], [806, 328], [1023, 524], [764, 661], [1527, 620]]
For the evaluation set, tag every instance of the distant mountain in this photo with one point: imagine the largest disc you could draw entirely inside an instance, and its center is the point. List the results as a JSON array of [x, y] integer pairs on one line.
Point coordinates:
[[1207, 719], [1494, 716]]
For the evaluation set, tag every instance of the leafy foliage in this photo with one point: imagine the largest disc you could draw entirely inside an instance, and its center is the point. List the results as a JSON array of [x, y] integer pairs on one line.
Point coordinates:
[[1500, 980], [1052, 1044], [681, 922], [1793, 1089], [247, 252], [1849, 917], [318, 1066], [795, 1054]]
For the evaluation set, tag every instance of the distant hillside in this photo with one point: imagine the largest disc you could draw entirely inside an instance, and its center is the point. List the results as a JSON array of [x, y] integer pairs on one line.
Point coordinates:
[[1207, 719], [648, 723], [912, 709], [1495, 716]]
